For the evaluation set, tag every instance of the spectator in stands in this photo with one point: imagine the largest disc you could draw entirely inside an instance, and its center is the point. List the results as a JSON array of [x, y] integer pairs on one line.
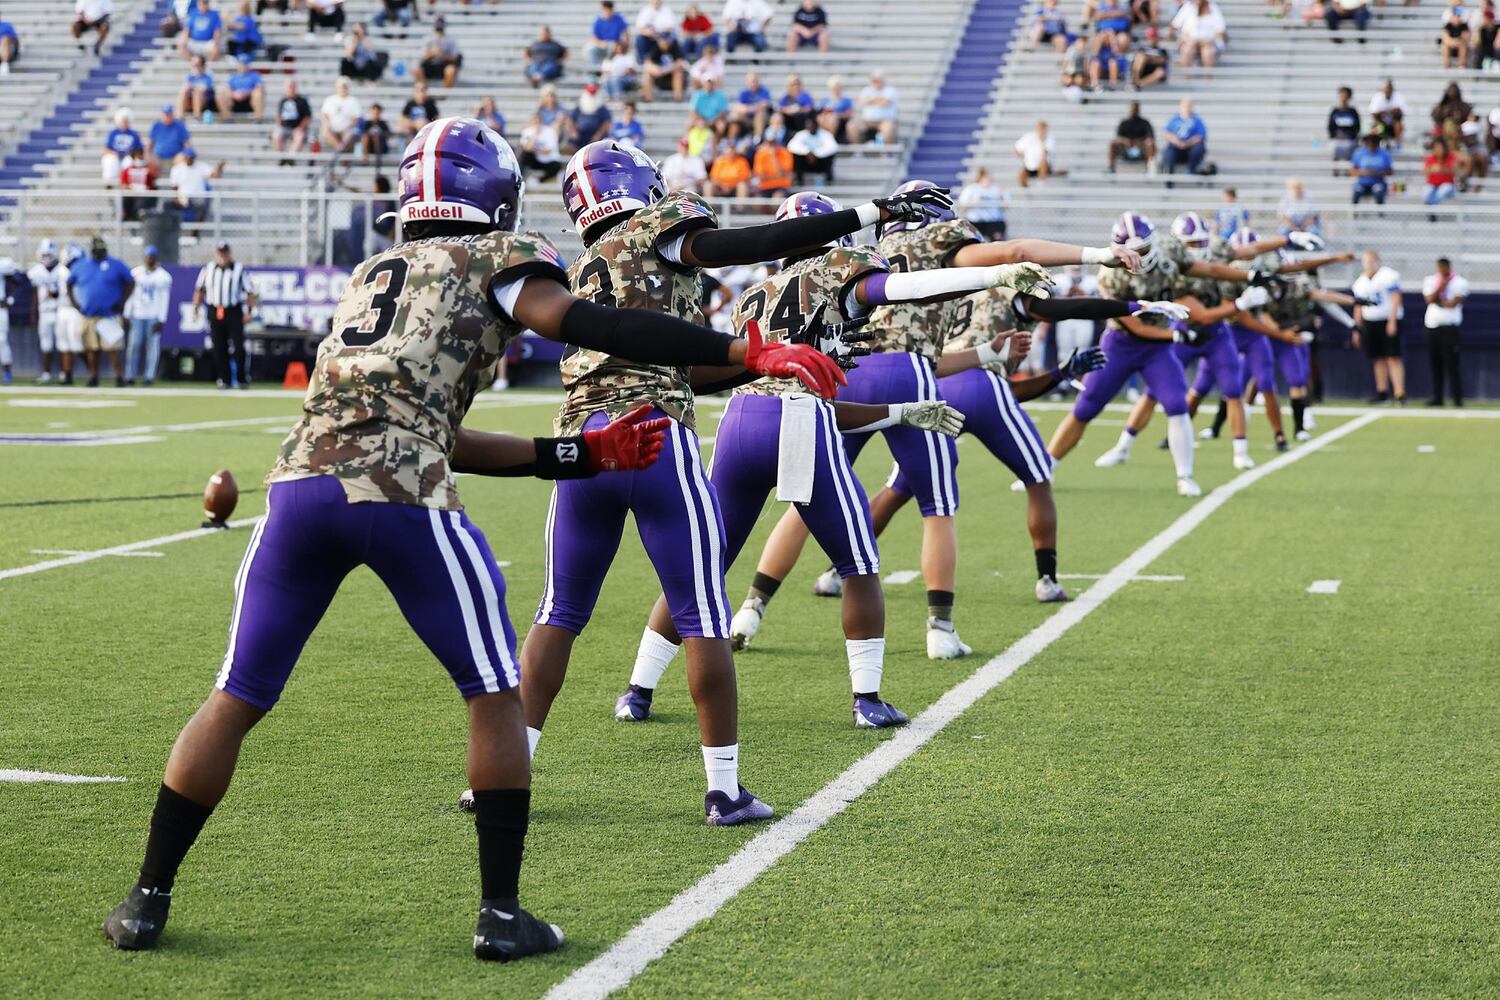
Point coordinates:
[[654, 20], [1440, 169], [146, 312], [361, 61], [190, 179], [548, 108], [92, 15], [1051, 27], [121, 142], [1296, 211], [293, 115], [1187, 140], [1073, 71], [419, 109], [441, 58], [589, 121], [1473, 158], [341, 112], [137, 176], [814, 148], [700, 137], [1482, 31], [682, 170], [540, 148], [1230, 216], [627, 130], [746, 22], [620, 72], [710, 106], [609, 27], [1344, 125], [1112, 59], [1370, 166], [1454, 37], [1335, 12], [809, 28], [1106, 15], [840, 105], [244, 33], [197, 95], [796, 105], [202, 32], [775, 128], [544, 58], [374, 135], [168, 137], [753, 105], [10, 46], [1134, 141], [729, 177], [400, 12], [983, 203], [878, 110], [1388, 113], [489, 113], [697, 32], [1451, 110], [1201, 29], [98, 287], [247, 91], [1152, 61], [708, 66], [1034, 150], [664, 67], [1444, 293], [324, 14], [1143, 12]]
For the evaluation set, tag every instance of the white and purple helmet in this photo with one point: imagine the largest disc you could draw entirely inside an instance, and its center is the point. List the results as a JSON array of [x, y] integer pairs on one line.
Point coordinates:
[[1190, 228], [933, 214], [805, 203], [1243, 237], [460, 170], [606, 179], [1135, 231]]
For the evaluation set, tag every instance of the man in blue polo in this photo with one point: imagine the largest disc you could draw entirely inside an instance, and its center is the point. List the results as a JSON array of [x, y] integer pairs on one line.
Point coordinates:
[[98, 286], [1186, 140], [168, 137], [1370, 166], [202, 30]]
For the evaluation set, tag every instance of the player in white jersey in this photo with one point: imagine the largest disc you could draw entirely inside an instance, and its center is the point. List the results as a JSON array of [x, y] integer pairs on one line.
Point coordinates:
[[69, 319], [48, 280]]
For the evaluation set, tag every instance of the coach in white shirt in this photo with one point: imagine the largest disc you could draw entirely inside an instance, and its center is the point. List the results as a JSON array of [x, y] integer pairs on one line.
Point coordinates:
[[147, 313], [1444, 293], [1377, 326]]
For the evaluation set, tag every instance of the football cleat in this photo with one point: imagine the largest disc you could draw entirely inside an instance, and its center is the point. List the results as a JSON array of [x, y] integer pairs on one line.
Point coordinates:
[[466, 800], [829, 584], [632, 706], [136, 924], [1018, 487], [1049, 591], [1207, 434], [943, 642], [746, 623], [1304, 435], [720, 810], [1281, 444], [1163, 444], [45, 378], [504, 937], [1244, 462], [872, 713], [1187, 486], [1308, 421], [1115, 456]]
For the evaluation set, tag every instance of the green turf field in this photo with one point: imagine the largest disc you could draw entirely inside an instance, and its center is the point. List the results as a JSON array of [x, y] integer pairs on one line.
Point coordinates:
[[1216, 786]]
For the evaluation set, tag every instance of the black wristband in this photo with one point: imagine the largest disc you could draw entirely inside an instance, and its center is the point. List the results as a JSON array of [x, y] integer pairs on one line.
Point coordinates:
[[562, 458]]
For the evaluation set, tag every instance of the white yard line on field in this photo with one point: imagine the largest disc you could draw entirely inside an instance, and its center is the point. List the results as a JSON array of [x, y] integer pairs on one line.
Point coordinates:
[[1324, 586], [79, 552], [32, 777], [650, 939], [1146, 578], [117, 550]]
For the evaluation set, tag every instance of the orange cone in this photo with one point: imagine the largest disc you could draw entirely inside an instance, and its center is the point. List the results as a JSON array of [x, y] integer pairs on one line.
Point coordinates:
[[296, 376]]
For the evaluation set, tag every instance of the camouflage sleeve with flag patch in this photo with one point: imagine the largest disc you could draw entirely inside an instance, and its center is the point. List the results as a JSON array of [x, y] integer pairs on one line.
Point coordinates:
[[920, 327]]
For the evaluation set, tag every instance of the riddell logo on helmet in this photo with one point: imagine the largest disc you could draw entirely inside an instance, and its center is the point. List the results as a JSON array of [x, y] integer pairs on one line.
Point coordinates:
[[430, 211], [604, 211]]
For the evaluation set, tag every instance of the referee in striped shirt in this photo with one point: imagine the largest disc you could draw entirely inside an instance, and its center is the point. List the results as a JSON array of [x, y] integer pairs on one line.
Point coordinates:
[[222, 287]]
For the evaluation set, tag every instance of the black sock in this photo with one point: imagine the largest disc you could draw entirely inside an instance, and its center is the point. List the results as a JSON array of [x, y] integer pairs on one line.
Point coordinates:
[[1221, 416], [940, 605], [500, 818], [1046, 563], [175, 824], [1299, 407], [643, 692], [764, 587]]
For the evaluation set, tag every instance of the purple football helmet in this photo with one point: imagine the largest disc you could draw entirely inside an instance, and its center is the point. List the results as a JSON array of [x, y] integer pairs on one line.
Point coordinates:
[[935, 214], [1190, 228], [460, 170], [605, 179], [805, 203], [1243, 237]]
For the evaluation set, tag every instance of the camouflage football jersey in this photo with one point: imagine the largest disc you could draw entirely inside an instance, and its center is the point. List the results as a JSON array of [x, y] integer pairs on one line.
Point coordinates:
[[1268, 261], [1292, 310], [1155, 284], [414, 337], [623, 269], [978, 317], [1208, 291], [783, 302], [919, 327]]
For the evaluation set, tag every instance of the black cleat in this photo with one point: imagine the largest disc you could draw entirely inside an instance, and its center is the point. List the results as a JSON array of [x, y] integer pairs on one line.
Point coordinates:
[[1163, 444], [505, 937], [136, 924]]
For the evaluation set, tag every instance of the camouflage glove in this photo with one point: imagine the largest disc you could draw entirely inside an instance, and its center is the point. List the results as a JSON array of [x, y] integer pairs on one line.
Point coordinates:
[[840, 341], [812, 368], [628, 444], [915, 206], [1081, 362], [1026, 278], [932, 415]]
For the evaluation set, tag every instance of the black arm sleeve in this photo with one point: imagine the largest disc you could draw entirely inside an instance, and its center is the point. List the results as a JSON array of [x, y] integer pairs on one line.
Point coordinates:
[[1029, 306], [650, 338], [724, 384], [754, 244]]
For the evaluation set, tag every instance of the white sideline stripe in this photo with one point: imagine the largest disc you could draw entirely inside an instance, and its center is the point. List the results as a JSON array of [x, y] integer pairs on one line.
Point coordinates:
[[118, 550], [1324, 586], [1145, 577], [118, 435], [901, 576], [31, 777], [74, 441], [1332, 411], [650, 939], [79, 552], [71, 404]]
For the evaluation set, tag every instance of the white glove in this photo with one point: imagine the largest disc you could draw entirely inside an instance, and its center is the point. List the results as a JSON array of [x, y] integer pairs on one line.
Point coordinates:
[[1303, 240], [1307, 336], [1252, 298], [932, 415], [1026, 278], [1166, 310]]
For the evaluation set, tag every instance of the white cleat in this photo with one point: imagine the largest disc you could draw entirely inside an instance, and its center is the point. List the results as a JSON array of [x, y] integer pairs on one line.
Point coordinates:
[[943, 643], [745, 624], [1304, 435], [1018, 487], [1049, 591], [1308, 421], [1244, 462], [1115, 456], [829, 584], [1187, 486], [1207, 434]]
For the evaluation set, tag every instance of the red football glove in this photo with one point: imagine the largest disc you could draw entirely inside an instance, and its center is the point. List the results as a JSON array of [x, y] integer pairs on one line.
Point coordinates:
[[628, 444], [812, 367]]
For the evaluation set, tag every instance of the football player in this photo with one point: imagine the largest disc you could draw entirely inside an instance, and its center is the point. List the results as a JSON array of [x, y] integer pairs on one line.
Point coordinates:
[[69, 319], [366, 477], [643, 247], [48, 279], [908, 338]]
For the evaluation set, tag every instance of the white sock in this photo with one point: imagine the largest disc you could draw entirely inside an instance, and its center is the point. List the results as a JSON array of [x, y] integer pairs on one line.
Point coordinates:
[[1127, 438], [1241, 448], [533, 737], [866, 663], [652, 659], [722, 765], [1180, 440]]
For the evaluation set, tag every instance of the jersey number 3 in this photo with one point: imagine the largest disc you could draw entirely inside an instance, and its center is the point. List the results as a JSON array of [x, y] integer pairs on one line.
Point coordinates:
[[388, 280]]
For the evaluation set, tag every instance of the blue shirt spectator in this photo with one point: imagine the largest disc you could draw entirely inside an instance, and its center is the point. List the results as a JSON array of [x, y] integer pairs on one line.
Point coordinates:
[[99, 285], [1186, 140], [123, 141], [1371, 165], [200, 81], [710, 103], [10, 46], [1229, 217], [1187, 128], [628, 132], [245, 80], [169, 136], [755, 95], [8, 30], [244, 34], [203, 24], [610, 28]]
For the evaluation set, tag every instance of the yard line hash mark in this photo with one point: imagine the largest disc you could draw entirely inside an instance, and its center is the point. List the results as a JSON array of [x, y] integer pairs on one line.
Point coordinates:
[[649, 940], [33, 777], [117, 550], [1324, 586], [901, 576]]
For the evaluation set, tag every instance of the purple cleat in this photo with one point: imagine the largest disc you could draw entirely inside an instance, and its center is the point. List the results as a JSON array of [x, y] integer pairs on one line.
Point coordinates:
[[633, 706], [720, 810], [872, 713]]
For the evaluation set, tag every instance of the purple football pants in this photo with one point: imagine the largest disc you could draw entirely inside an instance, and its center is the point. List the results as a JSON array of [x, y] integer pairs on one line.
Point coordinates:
[[678, 518], [1124, 356], [1255, 362], [992, 415], [435, 563], [1221, 358], [929, 460], [1294, 362], [743, 474]]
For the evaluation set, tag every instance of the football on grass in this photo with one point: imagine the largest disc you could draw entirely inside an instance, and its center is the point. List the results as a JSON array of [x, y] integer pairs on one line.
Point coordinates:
[[220, 496]]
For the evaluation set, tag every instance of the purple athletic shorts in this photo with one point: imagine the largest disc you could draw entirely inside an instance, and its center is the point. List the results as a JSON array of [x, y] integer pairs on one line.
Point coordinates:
[[677, 516], [929, 460], [1125, 355], [992, 415], [435, 563], [1255, 362], [1294, 362], [1221, 358], [743, 473]]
